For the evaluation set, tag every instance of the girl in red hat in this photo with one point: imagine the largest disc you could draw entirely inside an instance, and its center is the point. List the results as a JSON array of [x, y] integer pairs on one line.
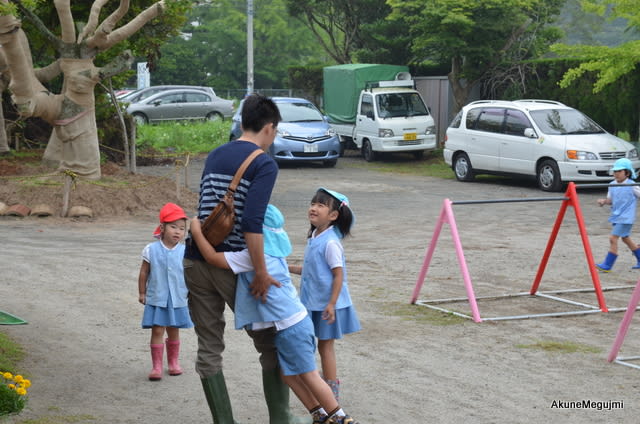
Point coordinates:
[[162, 290]]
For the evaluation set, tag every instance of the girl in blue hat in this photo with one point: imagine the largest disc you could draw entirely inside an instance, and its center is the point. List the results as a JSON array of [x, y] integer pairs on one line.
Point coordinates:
[[323, 288], [282, 312], [623, 200]]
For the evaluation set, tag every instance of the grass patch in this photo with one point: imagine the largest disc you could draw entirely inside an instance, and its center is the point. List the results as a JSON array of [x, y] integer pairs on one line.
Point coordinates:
[[560, 347], [11, 353], [183, 137], [60, 419], [432, 165], [422, 314]]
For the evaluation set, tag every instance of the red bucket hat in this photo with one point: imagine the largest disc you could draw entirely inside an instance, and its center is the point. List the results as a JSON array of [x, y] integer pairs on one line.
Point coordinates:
[[170, 212]]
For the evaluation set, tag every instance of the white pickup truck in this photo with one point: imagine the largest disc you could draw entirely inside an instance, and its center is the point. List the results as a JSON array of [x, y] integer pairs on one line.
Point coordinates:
[[389, 116]]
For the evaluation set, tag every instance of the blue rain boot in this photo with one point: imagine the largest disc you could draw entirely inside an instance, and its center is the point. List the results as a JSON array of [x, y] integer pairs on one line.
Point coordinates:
[[608, 262], [637, 255]]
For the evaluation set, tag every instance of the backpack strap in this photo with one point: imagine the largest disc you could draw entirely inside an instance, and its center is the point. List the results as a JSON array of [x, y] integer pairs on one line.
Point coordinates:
[[243, 167]]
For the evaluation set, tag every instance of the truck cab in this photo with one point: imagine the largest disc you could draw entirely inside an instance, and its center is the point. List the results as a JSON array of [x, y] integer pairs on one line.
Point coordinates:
[[392, 117]]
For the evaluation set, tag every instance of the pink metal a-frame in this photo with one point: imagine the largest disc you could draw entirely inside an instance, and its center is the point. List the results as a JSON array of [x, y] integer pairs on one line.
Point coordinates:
[[622, 332], [447, 216]]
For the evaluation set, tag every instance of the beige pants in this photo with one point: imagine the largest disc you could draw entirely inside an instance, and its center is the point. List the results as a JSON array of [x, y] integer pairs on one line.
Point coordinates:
[[210, 288]]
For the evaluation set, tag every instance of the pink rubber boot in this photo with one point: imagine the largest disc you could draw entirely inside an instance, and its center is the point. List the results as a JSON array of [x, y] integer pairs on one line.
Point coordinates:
[[173, 351], [157, 351]]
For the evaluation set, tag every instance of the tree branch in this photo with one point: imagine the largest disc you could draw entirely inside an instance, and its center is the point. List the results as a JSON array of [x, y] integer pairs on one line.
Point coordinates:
[[63, 7], [92, 22], [42, 28], [122, 62], [106, 27], [103, 41]]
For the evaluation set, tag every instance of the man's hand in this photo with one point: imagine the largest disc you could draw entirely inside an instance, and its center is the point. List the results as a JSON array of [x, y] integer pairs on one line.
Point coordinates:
[[260, 285]]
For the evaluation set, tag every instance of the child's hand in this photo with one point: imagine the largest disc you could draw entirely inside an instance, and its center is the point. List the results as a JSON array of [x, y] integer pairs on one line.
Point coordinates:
[[329, 314], [141, 298], [602, 202]]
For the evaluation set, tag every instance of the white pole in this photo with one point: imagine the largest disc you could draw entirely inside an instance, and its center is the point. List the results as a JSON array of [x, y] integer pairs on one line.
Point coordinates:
[[249, 46]]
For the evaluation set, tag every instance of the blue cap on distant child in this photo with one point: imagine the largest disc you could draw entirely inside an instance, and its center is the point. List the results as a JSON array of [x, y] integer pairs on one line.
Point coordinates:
[[170, 212], [624, 163], [344, 201], [276, 240]]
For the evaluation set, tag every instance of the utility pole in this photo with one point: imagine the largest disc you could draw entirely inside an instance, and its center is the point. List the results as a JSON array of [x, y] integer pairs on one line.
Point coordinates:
[[249, 46]]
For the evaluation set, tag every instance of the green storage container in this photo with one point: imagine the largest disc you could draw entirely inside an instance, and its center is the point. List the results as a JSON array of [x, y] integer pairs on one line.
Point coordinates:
[[342, 85]]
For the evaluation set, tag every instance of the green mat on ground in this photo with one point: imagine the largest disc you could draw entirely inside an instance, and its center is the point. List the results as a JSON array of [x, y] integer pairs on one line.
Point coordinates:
[[8, 319]]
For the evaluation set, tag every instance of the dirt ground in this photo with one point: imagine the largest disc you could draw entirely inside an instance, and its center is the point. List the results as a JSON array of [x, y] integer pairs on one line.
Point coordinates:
[[74, 281]]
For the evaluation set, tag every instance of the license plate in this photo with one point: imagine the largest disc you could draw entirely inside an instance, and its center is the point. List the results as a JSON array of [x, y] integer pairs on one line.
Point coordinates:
[[410, 136], [311, 148]]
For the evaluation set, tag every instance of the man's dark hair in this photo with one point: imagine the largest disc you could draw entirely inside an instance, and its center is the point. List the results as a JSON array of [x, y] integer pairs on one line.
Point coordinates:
[[258, 111]]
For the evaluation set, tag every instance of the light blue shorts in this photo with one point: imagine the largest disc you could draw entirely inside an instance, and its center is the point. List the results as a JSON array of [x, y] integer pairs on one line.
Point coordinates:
[[621, 230], [296, 347]]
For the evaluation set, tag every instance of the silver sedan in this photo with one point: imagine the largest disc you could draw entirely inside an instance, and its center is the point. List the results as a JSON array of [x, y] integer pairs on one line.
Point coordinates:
[[182, 104]]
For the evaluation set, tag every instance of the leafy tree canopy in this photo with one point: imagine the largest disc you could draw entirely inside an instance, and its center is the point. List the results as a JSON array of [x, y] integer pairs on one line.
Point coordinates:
[[475, 36], [607, 63], [212, 49]]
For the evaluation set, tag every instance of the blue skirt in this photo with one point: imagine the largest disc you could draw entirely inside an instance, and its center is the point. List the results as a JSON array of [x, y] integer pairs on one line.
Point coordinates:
[[346, 322], [166, 316]]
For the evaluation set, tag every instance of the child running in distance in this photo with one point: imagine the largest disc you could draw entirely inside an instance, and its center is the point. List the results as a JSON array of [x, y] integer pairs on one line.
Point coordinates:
[[294, 340], [162, 290], [623, 201], [323, 288]]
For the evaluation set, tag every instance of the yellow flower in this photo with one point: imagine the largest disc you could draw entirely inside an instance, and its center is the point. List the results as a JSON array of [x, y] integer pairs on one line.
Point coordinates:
[[18, 378], [7, 375], [21, 391], [26, 383], [11, 386]]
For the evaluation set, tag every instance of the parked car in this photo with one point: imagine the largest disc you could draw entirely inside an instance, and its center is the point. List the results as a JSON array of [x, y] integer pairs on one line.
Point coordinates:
[[541, 138], [304, 134], [141, 94], [181, 104]]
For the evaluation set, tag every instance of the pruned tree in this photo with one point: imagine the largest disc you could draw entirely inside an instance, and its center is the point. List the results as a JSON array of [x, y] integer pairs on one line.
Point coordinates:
[[74, 141]]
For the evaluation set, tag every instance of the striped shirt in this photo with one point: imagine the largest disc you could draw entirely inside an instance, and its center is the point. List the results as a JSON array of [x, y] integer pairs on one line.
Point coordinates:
[[252, 194]]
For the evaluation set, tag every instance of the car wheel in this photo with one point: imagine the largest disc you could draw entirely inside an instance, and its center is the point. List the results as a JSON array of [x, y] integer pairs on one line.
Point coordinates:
[[140, 119], [462, 168], [214, 116], [342, 147], [548, 176], [330, 163], [367, 151]]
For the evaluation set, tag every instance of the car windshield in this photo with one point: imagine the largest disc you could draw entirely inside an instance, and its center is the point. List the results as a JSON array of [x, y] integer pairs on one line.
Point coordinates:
[[299, 112], [394, 105], [564, 122]]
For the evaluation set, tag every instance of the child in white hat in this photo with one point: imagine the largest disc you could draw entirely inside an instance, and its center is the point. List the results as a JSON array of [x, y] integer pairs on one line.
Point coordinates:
[[295, 339]]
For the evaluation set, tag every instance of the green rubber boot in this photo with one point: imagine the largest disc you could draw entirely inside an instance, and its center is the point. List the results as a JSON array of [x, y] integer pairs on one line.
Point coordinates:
[[215, 390], [276, 393]]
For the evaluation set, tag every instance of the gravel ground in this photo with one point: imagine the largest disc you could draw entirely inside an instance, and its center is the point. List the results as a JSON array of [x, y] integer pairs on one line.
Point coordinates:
[[76, 284]]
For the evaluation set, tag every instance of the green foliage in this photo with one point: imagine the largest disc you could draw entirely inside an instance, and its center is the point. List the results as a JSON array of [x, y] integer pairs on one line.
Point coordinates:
[[213, 49], [11, 354], [615, 107], [608, 63], [188, 137], [307, 78], [345, 27], [476, 36]]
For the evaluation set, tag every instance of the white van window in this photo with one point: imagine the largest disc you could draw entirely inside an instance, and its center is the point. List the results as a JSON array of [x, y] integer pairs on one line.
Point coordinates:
[[516, 123], [491, 120], [564, 121]]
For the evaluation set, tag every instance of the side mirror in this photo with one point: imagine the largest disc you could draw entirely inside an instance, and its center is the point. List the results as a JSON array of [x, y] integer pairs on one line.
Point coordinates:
[[530, 133], [369, 115]]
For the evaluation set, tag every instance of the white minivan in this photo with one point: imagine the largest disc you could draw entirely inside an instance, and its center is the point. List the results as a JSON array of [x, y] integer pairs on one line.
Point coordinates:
[[541, 138]]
